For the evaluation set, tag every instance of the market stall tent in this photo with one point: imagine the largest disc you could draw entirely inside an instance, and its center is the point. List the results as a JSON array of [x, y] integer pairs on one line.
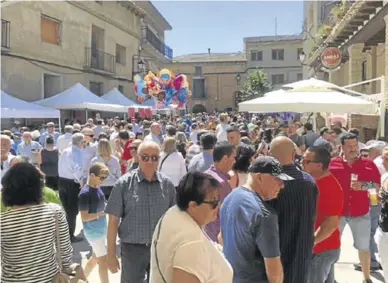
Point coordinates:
[[306, 100], [12, 107], [116, 97], [79, 97], [310, 83]]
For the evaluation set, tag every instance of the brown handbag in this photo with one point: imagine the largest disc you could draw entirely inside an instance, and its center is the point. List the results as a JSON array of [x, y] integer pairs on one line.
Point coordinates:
[[73, 274]]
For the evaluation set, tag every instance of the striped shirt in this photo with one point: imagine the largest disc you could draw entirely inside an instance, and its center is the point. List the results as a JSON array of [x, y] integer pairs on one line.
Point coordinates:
[[28, 244], [296, 209]]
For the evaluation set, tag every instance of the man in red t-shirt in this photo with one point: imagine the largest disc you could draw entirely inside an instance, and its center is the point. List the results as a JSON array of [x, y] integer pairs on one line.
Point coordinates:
[[355, 176], [327, 242]]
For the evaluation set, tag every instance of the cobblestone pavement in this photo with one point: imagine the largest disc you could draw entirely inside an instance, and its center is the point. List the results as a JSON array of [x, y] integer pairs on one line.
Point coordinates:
[[344, 270]]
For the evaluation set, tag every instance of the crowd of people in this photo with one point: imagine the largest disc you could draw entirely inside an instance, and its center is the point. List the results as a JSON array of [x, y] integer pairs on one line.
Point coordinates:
[[212, 198]]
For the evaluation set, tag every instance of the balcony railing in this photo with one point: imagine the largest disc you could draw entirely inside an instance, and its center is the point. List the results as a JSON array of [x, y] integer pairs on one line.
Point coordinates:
[[158, 44], [5, 34], [99, 60]]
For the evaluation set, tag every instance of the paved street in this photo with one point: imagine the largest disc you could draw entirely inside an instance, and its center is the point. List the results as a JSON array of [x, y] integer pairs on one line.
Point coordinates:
[[345, 272]]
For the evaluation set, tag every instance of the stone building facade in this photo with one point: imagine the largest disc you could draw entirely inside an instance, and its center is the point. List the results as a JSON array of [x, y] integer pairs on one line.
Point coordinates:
[[212, 79], [48, 47], [278, 56]]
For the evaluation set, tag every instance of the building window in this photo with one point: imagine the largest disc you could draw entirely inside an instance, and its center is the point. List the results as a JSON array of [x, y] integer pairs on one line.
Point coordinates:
[[51, 85], [364, 71], [277, 79], [198, 71], [50, 30], [198, 88], [256, 55], [121, 54], [277, 54], [96, 88], [121, 89], [299, 77]]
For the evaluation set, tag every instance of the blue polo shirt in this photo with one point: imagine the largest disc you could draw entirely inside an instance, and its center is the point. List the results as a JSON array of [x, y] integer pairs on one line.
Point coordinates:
[[250, 233]]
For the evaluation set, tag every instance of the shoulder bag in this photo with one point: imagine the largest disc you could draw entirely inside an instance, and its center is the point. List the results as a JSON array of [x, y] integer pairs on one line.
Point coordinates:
[[164, 159], [73, 274]]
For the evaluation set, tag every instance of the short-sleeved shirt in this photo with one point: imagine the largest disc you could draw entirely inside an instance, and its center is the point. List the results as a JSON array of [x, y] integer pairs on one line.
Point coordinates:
[[201, 162], [296, 208], [126, 156], [330, 203], [250, 233], [356, 203], [186, 247], [92, 200], [140, 204], [28, 150]]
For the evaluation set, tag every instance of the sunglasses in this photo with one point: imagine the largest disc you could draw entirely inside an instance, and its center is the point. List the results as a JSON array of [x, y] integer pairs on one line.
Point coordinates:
[[212, 203], [153, 158], [365, 155], [90, 136], [133, 148], [102, 178]]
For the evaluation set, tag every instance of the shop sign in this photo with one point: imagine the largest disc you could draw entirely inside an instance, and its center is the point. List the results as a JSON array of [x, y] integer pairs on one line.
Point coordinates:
[[331, 58]]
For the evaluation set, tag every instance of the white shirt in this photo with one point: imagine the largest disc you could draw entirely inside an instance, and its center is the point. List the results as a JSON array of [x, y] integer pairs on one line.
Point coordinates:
[[64, 141], [184, 245], [114, 169], [6, 165], [68, 167], [194, 136], [221, 132], [174, 167], [379, 164], [152, 137]]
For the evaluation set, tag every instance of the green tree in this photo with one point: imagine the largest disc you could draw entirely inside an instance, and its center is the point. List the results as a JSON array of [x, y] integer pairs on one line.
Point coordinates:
[[256, 85]]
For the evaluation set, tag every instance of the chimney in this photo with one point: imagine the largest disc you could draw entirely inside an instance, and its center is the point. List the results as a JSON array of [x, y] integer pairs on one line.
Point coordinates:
[[208, 51]]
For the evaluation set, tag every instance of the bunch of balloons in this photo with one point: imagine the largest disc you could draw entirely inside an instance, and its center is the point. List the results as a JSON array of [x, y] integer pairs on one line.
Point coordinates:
[[165, 87]]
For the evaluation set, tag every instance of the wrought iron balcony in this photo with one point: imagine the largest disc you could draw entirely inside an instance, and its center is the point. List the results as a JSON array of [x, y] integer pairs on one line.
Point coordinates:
[[99, 60], [5, 34], [156, 43]]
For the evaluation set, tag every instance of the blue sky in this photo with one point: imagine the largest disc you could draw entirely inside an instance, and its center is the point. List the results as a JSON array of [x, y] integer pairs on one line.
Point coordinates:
[[222, 25]]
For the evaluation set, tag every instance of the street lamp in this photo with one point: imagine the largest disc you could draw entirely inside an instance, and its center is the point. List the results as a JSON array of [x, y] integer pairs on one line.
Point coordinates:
[[238, 78], [141, 65], [302, 57]]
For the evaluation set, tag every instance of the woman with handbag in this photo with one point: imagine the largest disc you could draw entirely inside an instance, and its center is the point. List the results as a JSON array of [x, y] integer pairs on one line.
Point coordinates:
[[181, 251], [172, 164], [35, 242]]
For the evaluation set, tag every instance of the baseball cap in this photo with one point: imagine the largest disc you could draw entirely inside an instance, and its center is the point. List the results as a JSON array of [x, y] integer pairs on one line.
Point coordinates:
[[269, 165], [50, 124]]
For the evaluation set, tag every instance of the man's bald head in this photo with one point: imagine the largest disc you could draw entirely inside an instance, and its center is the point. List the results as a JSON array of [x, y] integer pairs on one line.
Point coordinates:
[[283, 149], [146, 145]]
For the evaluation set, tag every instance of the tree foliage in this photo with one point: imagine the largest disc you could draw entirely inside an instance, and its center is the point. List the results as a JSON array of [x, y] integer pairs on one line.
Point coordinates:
[[256, 85]]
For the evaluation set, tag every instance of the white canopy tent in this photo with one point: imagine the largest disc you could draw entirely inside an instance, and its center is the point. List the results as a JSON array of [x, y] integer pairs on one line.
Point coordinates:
[[12, 107], [308, 100], [116, 97], [310, 83], [79, 97]]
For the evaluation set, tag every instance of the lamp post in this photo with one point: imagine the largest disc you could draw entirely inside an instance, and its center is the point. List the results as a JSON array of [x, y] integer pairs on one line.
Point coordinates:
[[302, 57]]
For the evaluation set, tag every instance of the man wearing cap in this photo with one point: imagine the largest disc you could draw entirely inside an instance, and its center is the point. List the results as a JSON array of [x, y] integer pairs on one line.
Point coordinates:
[[296, 210], [50, 131], [249, 226]]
